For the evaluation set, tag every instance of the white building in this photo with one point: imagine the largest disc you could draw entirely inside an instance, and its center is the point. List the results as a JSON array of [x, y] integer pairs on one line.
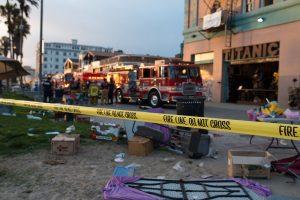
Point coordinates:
[[56, 54]]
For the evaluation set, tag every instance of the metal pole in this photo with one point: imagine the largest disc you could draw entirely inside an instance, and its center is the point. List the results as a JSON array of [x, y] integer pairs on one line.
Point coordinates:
[[41, 50]]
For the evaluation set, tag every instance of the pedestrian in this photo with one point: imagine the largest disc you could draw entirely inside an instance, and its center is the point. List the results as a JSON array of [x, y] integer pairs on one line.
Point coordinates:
[[104, 95], [93, 93], [111, 88], [47, 87]]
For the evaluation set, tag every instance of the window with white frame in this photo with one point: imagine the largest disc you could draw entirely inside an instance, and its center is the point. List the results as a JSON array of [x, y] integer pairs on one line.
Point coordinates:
[[249, 5]]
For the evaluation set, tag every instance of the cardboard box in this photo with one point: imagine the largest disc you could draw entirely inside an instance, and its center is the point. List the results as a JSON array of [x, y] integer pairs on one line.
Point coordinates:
[[249, 164], [140, 146], [64, 144]]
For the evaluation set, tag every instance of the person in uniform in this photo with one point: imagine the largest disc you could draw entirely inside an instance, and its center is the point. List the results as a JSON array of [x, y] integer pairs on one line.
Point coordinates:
[[47, 87], [104, 95], [111, 88], [93, 93]]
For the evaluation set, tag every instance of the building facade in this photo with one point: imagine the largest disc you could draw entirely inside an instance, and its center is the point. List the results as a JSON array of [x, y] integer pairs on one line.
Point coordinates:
[[55, 55], [247, 49]]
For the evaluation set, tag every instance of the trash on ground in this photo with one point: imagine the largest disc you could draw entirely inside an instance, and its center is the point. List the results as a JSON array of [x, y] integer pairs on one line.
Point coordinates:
[[161, 177], [33, 117], [52, 133], [212, 152], [123, 171], [105, 131], [70, 129], [178, 167], [201, 164], [206, 176], [283, 142], [168, 159], [119, 157], [175, 150], [9, 114], [135, 165]]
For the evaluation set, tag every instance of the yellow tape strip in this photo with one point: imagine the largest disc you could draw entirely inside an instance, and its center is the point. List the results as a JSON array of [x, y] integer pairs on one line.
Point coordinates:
[[277, 130]]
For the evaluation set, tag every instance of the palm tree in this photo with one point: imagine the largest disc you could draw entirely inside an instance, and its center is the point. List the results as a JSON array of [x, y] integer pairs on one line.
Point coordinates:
[[24, 6], [16, 23], [8, 11], [4, 46], [18, 36]]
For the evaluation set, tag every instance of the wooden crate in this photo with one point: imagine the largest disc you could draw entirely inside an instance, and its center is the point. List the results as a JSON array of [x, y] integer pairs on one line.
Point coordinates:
[[248, 164]]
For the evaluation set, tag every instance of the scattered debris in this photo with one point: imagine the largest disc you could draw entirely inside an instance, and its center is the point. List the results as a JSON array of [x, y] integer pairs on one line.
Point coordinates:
[[33, 117], [119, 157], [52, 133], [9, 114], [134, 165], [178, 167], [283, 142], [168, 159], [201, 164], [70, 129], [206, 176], [105, 131]]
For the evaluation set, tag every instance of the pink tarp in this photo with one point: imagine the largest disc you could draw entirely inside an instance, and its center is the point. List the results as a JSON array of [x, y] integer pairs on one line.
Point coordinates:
[[116, 189]]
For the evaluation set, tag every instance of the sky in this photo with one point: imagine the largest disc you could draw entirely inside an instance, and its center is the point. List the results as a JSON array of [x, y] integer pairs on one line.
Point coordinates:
[[152, 27]]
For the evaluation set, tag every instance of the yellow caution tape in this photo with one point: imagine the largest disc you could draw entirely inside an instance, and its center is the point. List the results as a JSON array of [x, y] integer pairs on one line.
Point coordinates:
[[277, 130]]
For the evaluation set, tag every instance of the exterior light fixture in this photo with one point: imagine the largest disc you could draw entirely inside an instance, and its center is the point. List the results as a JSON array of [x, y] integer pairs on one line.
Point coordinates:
[[260, 20]]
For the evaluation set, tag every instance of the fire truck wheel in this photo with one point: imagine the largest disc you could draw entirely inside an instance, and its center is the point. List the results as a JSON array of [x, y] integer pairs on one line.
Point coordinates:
[[119, 96], [154, 99]]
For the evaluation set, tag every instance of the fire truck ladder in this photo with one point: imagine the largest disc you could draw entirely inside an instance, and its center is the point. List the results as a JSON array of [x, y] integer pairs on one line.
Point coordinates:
[[228, 22]]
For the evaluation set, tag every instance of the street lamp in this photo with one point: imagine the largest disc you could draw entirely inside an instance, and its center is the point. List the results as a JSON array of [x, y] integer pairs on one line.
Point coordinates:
[[41, 50]]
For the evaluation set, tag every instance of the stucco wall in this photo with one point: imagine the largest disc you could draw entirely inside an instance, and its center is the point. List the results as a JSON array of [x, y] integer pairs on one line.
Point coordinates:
[[289, 56]]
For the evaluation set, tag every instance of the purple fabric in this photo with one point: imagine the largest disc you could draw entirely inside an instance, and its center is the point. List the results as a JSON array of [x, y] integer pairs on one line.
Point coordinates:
[[115, 189], [164, 129], [256, 187]]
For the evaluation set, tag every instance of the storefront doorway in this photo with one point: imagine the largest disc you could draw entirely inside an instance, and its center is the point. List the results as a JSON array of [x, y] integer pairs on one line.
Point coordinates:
[[253, 83]]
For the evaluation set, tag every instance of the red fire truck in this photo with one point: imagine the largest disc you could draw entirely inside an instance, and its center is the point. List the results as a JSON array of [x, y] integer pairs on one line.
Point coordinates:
[[164, 82]]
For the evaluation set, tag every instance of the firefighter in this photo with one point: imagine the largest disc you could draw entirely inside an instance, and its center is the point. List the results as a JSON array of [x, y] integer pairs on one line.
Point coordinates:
[[104, 95], [93, 93], [47, 86], [111, 88], [84, 90]]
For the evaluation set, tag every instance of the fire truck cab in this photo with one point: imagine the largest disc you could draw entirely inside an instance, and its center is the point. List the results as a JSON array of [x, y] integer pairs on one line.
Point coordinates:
[[163, 82]]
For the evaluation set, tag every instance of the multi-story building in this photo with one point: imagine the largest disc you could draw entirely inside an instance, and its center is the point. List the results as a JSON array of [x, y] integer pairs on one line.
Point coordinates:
[[56, 54], [247, 49]]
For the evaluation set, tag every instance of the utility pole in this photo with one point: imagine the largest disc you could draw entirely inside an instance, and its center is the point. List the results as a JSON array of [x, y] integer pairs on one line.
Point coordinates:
[[41, 50]]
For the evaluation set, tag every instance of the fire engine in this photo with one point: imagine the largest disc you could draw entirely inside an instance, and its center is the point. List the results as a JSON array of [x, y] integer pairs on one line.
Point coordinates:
[[164, 82], [69, 78]]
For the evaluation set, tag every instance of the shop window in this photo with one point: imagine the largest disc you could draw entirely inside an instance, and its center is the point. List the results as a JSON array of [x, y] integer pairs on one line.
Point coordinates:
[[267, 2]]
